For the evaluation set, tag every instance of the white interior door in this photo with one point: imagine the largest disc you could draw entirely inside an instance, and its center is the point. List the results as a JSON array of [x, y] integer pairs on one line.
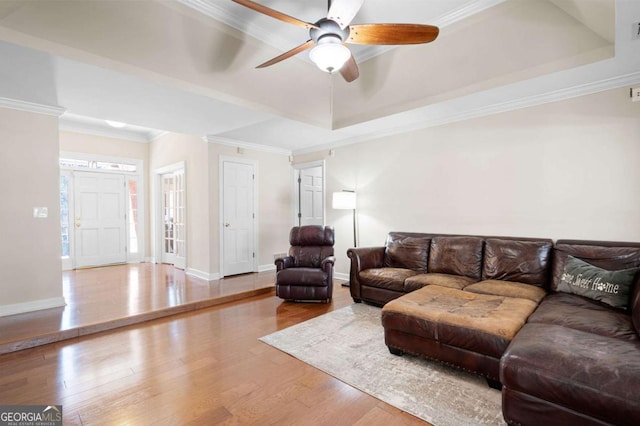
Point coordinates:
[[238, 216], [100, 219], [311, 196], [173, 219]]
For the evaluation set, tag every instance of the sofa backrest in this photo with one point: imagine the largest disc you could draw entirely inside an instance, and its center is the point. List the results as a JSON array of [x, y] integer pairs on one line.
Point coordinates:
[[407, 250], [526, 260], [608, 255], [310, 245], [458, 255]]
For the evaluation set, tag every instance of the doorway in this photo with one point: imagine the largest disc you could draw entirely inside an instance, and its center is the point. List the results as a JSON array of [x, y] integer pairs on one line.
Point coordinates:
[[171, 216], [101, 210], [237, 216], [309, 194]]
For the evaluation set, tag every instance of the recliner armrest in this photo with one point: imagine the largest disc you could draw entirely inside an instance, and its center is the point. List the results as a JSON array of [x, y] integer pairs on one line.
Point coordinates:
[[284, 263], [328, 262]]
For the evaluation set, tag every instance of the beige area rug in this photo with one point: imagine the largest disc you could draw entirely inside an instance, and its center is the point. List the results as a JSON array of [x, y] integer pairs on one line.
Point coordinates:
[[349, 345]]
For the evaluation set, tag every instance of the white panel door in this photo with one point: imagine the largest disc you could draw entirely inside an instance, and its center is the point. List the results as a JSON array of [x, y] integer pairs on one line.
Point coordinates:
[[100, 221], [311, 196], [238, 218]]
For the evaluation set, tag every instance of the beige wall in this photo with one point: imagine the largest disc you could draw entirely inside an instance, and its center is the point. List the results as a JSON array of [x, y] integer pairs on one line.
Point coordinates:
[[29, 169], [274, 201], [203, 167], [569, 169], [170, 149]]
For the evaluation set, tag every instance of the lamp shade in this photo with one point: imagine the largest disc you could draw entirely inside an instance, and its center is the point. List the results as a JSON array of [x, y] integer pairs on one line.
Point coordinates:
[[344, 200]]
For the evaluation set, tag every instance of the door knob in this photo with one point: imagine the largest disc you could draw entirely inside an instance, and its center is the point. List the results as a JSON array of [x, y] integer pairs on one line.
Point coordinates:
[[226, 225]]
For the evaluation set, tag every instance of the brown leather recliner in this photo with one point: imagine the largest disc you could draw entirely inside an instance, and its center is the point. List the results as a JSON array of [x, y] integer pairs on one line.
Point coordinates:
[[307, 272]]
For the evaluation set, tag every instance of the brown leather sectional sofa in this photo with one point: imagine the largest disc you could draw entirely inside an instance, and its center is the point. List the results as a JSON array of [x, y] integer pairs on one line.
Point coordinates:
[[497, 307]]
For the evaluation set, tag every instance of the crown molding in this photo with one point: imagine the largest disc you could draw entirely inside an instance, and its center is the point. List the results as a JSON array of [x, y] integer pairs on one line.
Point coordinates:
[[246, 145], [105, 132], [424, 121], [56, 111]]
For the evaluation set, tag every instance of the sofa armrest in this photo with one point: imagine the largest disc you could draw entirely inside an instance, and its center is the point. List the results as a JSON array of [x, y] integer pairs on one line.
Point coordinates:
[[283, 263], [363, 258]]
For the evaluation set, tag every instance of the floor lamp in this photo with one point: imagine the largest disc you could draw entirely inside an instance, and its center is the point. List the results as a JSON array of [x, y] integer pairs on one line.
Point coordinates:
[[346, 200]]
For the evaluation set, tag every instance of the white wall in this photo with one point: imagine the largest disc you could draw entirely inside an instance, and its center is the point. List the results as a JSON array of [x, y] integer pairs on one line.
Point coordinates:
[[30, 174], [570, 169]]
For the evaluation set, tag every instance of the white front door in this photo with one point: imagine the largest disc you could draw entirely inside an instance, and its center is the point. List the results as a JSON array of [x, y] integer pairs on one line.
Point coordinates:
[[238, 216], [311, 196], [173, 219], [99, 219]]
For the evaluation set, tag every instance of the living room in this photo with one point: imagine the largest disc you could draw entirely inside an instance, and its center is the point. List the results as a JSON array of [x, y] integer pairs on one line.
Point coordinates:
[[545, 149]]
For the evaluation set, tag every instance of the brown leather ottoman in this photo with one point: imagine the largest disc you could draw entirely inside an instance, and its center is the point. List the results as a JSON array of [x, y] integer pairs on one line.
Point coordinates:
[[464, 329]]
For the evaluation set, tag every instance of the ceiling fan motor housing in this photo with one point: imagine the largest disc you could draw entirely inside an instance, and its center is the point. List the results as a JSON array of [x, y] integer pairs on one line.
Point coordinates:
[[328, 27]]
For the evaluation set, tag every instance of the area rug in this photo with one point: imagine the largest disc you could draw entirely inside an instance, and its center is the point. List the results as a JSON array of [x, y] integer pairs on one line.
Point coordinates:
[[349, 345]]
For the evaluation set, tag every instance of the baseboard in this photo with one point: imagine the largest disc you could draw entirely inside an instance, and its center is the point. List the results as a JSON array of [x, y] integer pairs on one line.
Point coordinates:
[[203, 275], [341, 276], [267, 267], [35, 305]]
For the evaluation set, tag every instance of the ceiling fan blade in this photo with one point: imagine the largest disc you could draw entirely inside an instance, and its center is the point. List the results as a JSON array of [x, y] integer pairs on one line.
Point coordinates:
[[349, 70], [288, 54], [392, 34], [343, 11], [275, 14]]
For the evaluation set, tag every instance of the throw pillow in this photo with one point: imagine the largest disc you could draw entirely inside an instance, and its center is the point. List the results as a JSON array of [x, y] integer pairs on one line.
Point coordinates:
[[610, 287]]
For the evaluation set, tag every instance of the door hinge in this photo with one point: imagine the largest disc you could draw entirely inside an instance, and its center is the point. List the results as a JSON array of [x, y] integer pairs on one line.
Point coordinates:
[[254, 215], [254, 254], [299, 179], [299, 215], [253, 176]]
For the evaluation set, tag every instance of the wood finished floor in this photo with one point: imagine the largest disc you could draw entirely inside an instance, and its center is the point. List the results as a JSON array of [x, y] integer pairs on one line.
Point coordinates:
[[101, 299], [201, 367]]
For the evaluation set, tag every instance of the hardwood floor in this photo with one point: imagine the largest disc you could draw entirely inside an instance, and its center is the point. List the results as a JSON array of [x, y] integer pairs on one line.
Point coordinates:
[[101, 299], [201, 367]]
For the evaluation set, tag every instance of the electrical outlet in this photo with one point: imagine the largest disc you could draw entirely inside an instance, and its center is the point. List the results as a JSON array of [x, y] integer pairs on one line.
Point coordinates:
[[635, 94], [636, 30]]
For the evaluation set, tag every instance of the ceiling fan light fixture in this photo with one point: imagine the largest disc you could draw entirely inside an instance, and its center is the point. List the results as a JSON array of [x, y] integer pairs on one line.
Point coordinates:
[[329, 54]]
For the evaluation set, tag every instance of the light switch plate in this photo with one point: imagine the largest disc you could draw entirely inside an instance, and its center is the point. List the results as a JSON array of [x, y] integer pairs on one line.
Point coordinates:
[[40, 212], [635, 94]]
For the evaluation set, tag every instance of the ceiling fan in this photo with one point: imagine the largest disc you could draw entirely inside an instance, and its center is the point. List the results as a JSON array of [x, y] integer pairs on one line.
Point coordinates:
[[329, 35]]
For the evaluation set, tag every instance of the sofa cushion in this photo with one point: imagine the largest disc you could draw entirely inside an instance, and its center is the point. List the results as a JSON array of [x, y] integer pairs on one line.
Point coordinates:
[[456, 256], [407, 252], [388, 278], [521, 261], [610, 287], [508, 289], [587, 373], [475, 322], [445, 280], [575, 312]]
